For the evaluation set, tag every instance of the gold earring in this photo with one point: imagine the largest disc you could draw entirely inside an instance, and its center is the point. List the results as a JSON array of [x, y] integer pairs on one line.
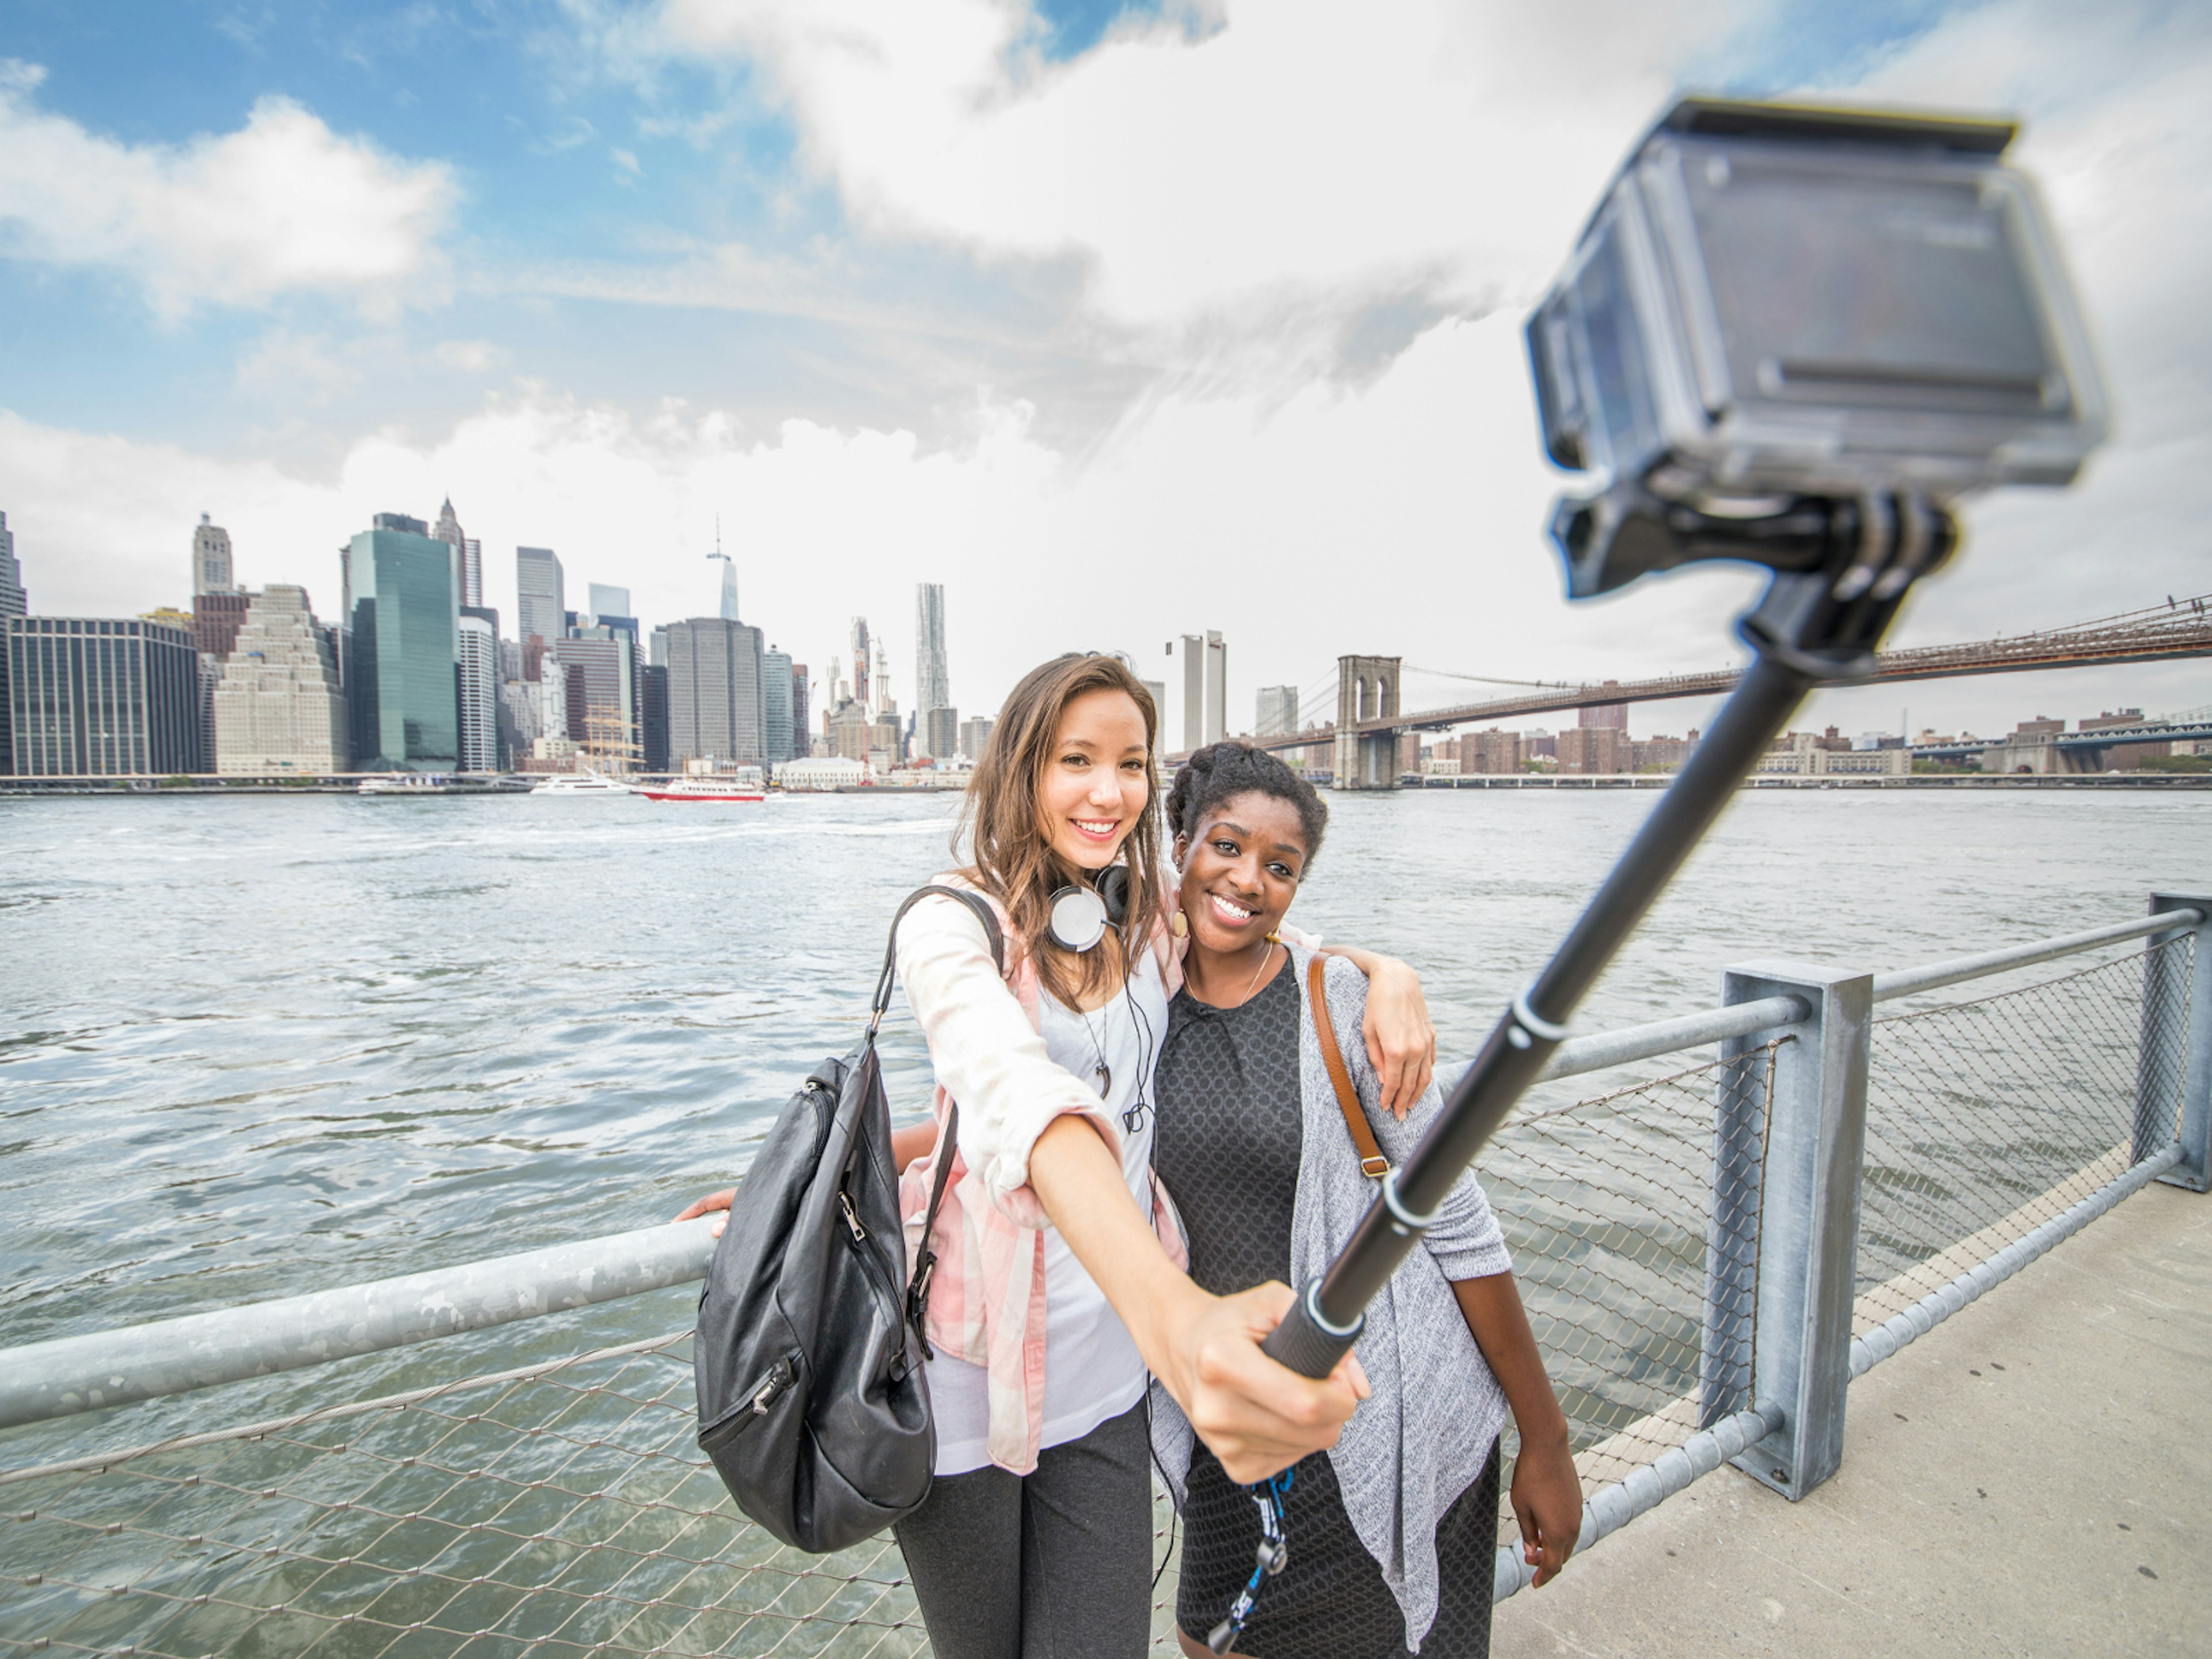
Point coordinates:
[[1179, 926]]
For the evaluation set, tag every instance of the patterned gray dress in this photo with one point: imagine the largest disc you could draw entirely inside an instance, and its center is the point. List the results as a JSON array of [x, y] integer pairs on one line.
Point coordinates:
[[1227, 1148]]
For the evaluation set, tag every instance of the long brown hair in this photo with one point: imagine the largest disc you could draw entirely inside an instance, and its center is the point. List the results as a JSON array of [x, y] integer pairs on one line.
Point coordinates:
[[1009, 852]]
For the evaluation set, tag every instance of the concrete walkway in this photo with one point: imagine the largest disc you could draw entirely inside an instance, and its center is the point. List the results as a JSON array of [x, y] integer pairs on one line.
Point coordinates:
[[2032, 1478]]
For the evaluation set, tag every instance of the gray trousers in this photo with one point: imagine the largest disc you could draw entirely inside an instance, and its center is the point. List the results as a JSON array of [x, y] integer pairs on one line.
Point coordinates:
[[1054, 1565]]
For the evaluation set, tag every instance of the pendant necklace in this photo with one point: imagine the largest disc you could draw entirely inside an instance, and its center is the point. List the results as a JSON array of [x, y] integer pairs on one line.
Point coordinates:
[[1105, 1073]]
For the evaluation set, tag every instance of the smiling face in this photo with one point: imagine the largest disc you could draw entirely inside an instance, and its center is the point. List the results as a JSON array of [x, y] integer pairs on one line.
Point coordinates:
[[1240, 869], [1097, 779]]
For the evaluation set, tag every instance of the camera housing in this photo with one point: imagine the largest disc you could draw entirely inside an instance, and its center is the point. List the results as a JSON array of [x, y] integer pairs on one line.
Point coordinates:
[[1777, 301]]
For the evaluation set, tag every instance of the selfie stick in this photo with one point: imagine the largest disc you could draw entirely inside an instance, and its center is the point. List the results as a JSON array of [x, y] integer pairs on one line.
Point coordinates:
[[1842, 568]]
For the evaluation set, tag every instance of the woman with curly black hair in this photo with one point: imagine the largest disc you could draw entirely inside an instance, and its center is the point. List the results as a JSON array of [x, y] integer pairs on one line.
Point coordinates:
[[1263, 1089]]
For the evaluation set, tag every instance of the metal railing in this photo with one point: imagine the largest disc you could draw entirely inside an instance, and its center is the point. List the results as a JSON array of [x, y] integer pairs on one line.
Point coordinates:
[[1709, 1255]]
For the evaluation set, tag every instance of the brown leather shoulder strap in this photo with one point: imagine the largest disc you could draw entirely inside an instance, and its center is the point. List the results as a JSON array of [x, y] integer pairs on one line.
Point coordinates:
[[1372, 1164]]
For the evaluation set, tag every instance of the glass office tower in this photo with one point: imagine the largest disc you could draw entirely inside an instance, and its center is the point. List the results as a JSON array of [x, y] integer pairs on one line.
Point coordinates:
[[400, 678]]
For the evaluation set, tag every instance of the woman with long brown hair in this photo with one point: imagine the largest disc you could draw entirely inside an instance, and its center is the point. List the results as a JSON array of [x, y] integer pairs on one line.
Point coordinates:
[[1059, 1282]]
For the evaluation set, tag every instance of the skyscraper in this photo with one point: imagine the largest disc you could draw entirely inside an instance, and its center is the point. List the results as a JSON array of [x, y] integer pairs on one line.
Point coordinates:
[[402, 645], [777, 732], [802, 741], [278, 708], [476, 681], [653, 711], [939, 732], [714, 693], [468, 554], [91, 697], [540, 595], [611, 602], [728, 607], [860, 664], [933, 686], [1277, 712], [1194, 691], [12, 603], [605, 659], [1216, 687], [1159, 694], [211, 558]]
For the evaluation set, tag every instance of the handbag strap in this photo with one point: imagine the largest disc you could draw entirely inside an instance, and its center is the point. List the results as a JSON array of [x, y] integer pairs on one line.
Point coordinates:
[[925, 1264], [1372, 1164]]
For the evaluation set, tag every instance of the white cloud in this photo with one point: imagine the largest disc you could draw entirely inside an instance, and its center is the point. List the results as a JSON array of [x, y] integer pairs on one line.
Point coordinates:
[[1304, 509], [281, 204], [1301, 147]]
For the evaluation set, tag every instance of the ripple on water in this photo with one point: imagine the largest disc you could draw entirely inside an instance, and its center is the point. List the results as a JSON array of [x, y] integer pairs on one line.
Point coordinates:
[[257, 1046]]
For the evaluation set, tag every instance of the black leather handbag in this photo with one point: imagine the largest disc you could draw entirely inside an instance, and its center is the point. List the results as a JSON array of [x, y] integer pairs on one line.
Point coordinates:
[[808, 1355]]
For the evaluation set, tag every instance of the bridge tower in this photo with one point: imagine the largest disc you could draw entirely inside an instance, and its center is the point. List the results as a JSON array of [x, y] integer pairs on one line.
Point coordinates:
[[1366, 689]]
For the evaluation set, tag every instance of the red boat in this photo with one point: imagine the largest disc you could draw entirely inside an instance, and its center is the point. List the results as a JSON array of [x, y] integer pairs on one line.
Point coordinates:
[[703, 788]]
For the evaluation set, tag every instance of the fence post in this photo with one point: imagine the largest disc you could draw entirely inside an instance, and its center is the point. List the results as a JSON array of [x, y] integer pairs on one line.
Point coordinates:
[[2173, 1082], [1798, 1249]]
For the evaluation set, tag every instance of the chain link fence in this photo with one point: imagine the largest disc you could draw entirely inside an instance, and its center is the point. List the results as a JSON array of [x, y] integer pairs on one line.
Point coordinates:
[[563, 1508], [1987, 1117]]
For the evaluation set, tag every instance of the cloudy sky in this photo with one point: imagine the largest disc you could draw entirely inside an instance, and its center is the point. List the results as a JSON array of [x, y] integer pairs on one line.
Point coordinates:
[[1120, 322]]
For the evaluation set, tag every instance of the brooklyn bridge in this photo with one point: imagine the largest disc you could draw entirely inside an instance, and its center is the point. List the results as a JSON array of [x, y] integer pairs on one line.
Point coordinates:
[[1362, 740]]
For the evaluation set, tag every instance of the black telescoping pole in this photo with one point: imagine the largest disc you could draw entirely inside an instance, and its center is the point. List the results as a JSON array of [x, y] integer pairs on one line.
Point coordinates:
[[1331, 1309]]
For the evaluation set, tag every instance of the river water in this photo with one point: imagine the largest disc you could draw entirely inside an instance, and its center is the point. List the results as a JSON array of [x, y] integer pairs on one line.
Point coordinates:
[[256, 1045]]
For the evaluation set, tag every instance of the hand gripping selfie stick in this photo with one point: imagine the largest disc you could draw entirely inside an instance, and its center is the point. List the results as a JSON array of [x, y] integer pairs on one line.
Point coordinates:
[[1842, 568], [1787, 335]]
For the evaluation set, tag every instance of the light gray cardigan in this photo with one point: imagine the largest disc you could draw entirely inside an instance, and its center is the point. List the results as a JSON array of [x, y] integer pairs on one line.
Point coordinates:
[[1422, 1437]]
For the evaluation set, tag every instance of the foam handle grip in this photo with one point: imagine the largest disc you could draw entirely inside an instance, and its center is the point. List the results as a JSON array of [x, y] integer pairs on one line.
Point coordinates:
[[1301, 1345]]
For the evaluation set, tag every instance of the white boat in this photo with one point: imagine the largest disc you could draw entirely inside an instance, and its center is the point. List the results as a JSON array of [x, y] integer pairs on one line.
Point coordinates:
[[704, 788], [403, 783], [580, 783]]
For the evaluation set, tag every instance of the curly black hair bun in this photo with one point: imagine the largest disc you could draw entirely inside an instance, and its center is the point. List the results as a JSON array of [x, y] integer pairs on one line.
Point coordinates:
[[1224, 771]]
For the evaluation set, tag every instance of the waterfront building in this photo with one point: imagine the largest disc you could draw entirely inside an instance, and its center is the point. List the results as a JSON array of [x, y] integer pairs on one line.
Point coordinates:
[[2125, 757], [777, 732], [1194, 691], [211, 572], [1278, 711], [941, 734], [974, 735], [477, 688], [801, 741], [602, 661], [1604, 717], [277, 707], [13, 601], [714, 700], [886, 736], [1594, 751], [652, 714], [822, 772], [1492, 751], [540, 595], [101, 697], [468, 554], [849, 730], [401, 645]]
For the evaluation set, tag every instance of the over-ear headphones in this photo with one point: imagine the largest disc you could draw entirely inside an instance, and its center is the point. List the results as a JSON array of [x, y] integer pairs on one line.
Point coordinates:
[[1081, 914]]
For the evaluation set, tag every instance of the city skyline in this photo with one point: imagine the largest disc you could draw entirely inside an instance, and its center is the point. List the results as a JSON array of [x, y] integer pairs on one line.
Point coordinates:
[[878, 357]]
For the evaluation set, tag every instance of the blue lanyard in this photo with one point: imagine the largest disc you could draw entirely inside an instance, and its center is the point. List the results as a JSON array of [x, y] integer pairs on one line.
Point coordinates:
[[1273, 1552]]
